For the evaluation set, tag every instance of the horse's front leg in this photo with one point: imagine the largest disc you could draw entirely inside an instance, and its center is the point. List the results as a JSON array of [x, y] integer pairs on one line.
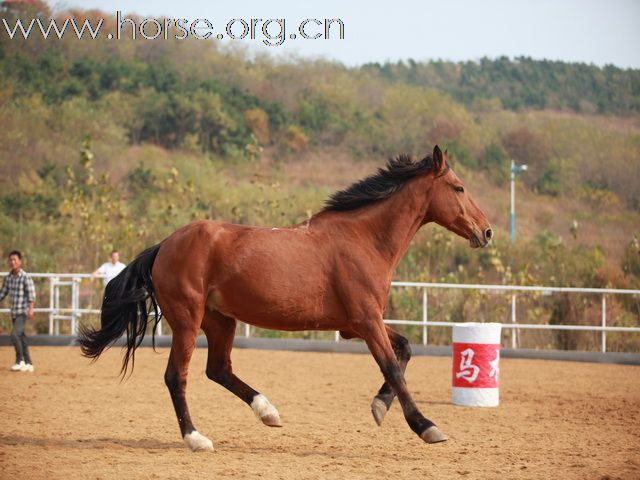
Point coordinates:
[[375, 335], [383, 400]]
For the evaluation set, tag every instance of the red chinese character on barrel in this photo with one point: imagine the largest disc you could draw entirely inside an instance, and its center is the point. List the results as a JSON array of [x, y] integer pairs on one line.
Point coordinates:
[[476, 364]]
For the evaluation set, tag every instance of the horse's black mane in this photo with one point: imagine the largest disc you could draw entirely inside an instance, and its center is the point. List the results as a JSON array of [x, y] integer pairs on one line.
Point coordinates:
[[380, 185]]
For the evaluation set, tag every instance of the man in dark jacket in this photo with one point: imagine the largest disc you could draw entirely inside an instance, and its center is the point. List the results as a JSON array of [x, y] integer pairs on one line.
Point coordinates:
[[19, 286]]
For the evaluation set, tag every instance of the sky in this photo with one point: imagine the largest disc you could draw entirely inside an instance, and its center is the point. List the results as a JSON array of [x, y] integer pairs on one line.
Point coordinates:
[[590, 31]]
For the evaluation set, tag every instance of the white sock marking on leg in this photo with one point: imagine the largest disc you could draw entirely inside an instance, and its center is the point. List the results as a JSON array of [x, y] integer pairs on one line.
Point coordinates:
[[262, 407], [198, 442]]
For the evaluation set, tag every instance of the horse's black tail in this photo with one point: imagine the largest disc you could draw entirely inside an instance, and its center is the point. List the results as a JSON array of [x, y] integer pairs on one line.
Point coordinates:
[[128, 300]]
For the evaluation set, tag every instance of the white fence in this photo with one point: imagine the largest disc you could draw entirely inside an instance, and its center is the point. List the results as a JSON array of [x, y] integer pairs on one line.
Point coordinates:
[[603, 327], [73, 312]]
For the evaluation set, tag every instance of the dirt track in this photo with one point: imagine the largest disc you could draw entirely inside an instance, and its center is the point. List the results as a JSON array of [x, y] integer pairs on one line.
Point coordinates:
[[72, 420]]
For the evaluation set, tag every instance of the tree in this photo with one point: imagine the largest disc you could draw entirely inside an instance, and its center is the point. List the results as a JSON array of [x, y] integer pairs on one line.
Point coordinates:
[[89, 207], [258, 121]]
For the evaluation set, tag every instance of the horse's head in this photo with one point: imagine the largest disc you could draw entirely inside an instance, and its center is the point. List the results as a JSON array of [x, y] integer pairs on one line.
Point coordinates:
[[452, 207]]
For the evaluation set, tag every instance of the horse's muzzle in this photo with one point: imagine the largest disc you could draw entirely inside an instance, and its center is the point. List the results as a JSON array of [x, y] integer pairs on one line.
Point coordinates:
[[479, 240]]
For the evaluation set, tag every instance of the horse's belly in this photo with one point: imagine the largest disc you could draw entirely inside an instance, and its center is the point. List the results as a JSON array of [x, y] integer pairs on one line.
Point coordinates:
[[278, 305]]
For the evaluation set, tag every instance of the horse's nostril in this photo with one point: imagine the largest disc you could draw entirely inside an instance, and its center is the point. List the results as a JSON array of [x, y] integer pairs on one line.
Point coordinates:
[[488, 233]]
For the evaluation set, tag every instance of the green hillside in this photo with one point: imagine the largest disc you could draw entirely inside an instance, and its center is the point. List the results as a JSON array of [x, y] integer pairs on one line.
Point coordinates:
[[115, 144]]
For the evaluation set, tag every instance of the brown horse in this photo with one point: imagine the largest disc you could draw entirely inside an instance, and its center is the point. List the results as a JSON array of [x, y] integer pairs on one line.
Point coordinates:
[[330, 273]]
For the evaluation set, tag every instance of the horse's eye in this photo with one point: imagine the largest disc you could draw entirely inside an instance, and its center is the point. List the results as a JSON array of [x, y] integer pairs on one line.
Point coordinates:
[[459, 188]]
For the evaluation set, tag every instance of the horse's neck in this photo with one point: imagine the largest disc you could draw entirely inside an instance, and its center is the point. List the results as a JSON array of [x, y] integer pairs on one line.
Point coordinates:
[[395, 221], [388, 225]]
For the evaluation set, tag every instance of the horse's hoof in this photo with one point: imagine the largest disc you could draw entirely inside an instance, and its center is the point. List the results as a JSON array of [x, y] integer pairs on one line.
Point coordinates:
[[266, 412], [271, 420], [197, 442], [379, 410], [433, 435]]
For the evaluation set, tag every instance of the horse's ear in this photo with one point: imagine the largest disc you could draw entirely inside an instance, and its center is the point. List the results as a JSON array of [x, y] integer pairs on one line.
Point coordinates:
[[446, 155], [438, 159]]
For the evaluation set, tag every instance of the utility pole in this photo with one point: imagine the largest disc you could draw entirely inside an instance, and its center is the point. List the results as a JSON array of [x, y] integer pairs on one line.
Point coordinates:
[[515, 169]]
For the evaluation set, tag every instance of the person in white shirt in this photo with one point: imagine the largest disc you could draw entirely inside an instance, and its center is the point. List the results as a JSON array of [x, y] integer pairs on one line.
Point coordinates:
[[110, 269]]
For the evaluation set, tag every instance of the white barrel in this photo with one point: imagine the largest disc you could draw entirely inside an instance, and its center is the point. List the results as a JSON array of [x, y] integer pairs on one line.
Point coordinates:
[[476, 364]]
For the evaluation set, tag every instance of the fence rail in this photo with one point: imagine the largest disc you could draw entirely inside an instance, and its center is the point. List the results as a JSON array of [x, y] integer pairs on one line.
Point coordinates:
[[74, 312]]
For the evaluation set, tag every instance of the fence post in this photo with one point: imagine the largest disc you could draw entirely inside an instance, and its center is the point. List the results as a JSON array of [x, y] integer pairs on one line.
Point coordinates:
[[604, 323], [514, 331], [425, 315], [247, 330], [57, 300], [52, 280], [75, 304]]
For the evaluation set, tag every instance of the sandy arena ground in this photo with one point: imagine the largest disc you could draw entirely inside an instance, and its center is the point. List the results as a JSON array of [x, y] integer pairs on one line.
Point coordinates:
[[73, 420]]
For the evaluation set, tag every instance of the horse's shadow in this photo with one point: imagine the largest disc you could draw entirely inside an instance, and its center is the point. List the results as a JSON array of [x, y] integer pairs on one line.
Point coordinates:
[[98, 443], [433, 402], [151, 445]]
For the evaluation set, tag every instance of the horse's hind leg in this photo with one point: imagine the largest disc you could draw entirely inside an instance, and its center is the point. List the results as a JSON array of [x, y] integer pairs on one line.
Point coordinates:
[[382, 401], [220, 331], [182, 345]]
